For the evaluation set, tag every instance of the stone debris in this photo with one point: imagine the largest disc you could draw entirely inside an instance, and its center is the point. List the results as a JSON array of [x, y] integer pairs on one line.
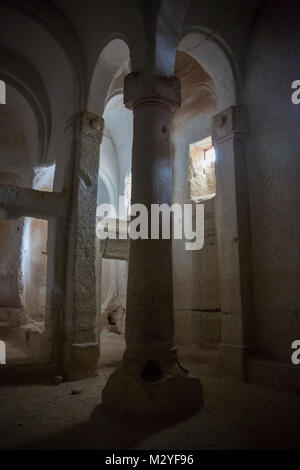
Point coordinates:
[[57, 380]]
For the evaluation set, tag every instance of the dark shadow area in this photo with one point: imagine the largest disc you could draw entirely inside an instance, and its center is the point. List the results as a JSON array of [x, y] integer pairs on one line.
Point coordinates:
[[26, 374], [105, 431]]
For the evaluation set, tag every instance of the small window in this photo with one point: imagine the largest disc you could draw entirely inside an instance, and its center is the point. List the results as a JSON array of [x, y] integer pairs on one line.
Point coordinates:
[[201, 174]]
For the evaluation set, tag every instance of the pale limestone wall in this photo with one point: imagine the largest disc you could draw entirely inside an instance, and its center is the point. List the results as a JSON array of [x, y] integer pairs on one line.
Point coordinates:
[[273, 160], [197, 316], [35, 267], [195, 273], [34, 255], [11, 281], [206, 295], [198, 328]]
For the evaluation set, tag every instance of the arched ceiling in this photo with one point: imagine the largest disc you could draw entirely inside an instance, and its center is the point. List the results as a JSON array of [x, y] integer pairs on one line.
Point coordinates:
[[35, 63], [197, 87], [72, 46], [18, 136]]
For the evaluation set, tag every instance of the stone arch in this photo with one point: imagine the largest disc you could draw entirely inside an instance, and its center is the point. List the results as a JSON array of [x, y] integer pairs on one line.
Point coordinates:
[[16, 71], [54, 98], [61, 94], [216, 58], [112, 56], [82, 346], [111, 87], [227, 128], [56, 24]]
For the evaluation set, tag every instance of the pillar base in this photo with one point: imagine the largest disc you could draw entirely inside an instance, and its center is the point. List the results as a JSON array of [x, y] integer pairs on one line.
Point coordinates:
[[178, 393], [84, 362]]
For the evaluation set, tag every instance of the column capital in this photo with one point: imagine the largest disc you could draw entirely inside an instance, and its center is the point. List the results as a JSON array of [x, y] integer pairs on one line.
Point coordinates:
[[139, 90], [230, 122], [91, 124]]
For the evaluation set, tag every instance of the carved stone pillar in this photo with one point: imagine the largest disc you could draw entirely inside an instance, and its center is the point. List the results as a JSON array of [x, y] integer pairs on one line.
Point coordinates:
[[83, 321], [150, 381], [232, 217]]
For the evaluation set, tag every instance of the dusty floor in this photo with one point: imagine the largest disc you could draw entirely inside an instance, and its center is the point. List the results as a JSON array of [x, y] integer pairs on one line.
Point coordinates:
[[235, 416]]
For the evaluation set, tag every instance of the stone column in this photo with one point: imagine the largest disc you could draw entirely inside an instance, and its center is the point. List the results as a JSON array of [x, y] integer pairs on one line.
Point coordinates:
[[83, 321], [150, 381], [232, 217]]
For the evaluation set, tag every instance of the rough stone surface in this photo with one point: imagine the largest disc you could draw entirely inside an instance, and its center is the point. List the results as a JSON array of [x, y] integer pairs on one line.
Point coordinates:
[[82, 330], [129, 396], [150, 354], [236, 415], [238, 296], [232, 219]]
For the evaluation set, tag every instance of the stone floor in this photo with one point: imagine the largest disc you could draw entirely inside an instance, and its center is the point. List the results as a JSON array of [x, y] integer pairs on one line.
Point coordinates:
[[24, 343], [68, 416]]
